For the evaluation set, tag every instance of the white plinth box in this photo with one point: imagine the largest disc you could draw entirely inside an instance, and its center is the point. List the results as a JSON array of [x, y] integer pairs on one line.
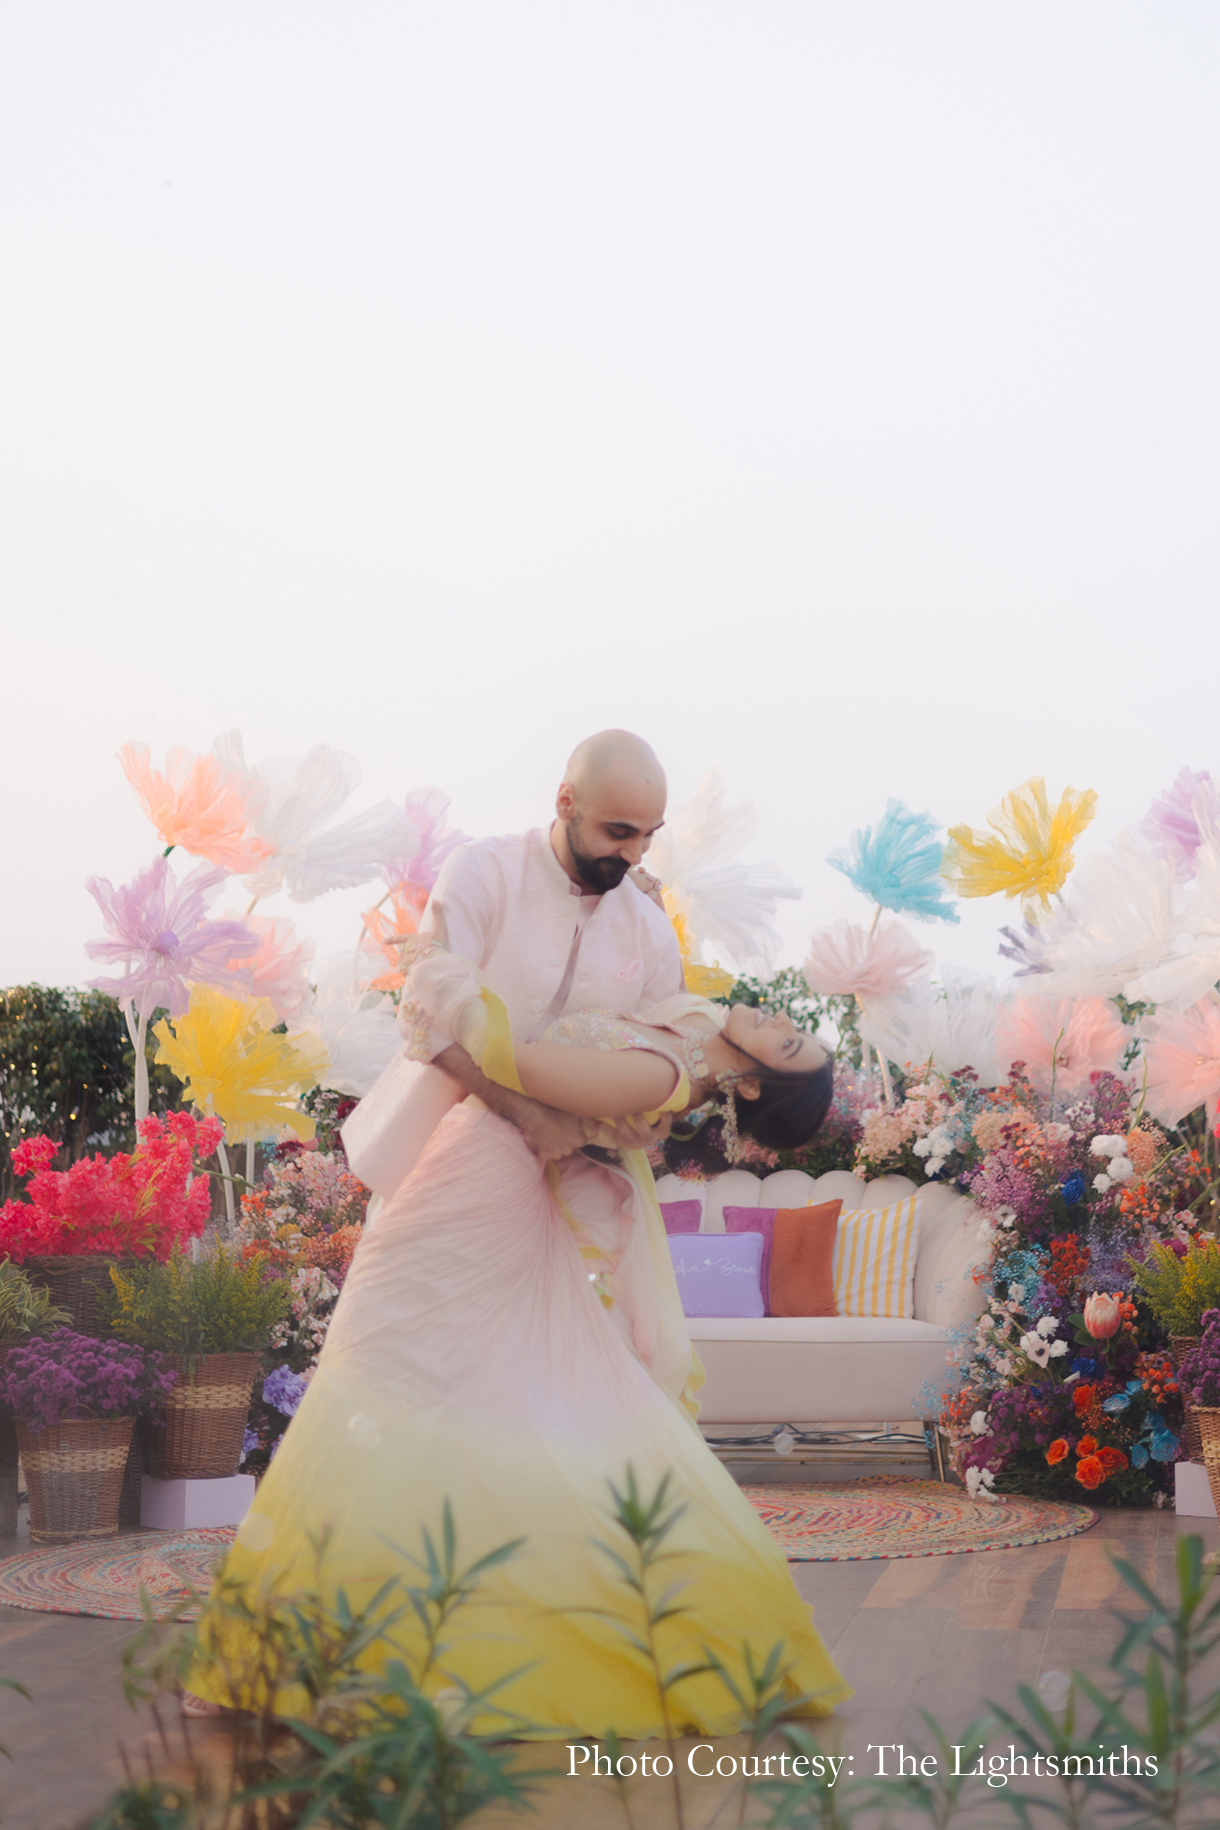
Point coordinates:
[[1192, 1496], [188, 1505]]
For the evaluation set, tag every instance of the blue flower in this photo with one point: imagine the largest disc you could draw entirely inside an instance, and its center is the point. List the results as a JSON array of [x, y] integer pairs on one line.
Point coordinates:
[[1139, 1455], [284, 1389], [1164, 1442], [897, 863], [1073, 1188], [1084, 1364], [1117, 1403]]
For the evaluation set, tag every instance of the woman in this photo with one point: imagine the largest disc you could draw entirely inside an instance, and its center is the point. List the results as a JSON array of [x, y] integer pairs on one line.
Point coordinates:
[[513, 1354]]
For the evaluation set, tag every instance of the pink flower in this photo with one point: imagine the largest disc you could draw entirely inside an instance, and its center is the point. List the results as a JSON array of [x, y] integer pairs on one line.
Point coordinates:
[[33, 1153], [279, 968], [872, 967], [431, 840], [159, 929], [1102, 1316], [1172, 822], [1182, 1058], [198, 804], [1064, 1039]]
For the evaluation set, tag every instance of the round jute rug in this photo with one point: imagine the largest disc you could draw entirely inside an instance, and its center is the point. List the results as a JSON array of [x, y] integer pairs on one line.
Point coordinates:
[[106, 1578], [884, 1515]]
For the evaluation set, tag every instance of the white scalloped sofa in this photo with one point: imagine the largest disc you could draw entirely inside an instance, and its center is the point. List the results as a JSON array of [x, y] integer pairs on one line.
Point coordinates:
[[821, 1372]]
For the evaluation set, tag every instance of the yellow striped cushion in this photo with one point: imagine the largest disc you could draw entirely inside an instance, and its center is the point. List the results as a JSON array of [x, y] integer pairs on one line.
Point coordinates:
[[874, 1262]]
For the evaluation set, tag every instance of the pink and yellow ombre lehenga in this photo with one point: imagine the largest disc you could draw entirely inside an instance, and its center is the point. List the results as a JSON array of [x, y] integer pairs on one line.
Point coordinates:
[[512, 1342]]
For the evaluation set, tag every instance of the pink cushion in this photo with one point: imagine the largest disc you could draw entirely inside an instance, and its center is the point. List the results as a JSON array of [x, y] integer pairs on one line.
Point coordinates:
[[681, 1216], [755, 1220]]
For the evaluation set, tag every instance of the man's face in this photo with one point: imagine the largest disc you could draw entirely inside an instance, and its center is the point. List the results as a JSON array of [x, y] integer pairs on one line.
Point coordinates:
[[608, 836]]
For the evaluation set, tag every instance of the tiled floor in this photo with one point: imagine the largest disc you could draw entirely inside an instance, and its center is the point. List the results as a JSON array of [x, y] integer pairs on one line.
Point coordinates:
[[936, 1633]]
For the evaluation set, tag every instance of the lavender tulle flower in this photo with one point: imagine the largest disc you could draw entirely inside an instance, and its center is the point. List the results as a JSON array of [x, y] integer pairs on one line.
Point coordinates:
[[160, 930], [1023, 950], [432, 839], [897, 863], [1172, 821]]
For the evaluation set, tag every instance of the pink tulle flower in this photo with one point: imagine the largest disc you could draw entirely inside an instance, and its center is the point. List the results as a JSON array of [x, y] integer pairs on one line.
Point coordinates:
[[197, 804], [844, 959], [1182, 1059], [1172, 821], [1062, 1039], [279, 968], [431, 840], [160, 931]]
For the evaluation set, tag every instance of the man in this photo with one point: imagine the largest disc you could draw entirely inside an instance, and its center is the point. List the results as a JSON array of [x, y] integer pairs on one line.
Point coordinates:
[[557, 919]]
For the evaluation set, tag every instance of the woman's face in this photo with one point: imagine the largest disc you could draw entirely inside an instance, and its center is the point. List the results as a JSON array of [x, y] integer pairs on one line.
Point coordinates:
[[774, 1041]]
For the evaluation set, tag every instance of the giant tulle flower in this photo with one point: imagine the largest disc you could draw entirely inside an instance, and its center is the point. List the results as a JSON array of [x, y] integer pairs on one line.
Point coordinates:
[[897, 864], [844, 960], [1028, 852], [702, 981], [309, 851], [1062, 1040], [431, 839], [1121, 919], [197, 804], [159, 929], [724, 903], [1171, 824], [949, 1026], [354, 1026], [234, 1065], [279, 967], [1190, 964], [383, 932], [1182, 1061]]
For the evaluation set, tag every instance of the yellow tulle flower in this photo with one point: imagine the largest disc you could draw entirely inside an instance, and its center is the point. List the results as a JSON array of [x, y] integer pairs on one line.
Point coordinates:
[[703, 981], [1028, 852], [232, 1063]]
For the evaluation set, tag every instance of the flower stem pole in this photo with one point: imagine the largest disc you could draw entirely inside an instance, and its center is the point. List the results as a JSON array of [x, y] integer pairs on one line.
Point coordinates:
[[137, 1031], [223, 1158], [250, 1162]]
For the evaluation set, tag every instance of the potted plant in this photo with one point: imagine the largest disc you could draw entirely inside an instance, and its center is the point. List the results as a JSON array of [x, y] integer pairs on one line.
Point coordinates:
[[25, 1309], [75, 1400], [73, 1224], [210, 1317], [1180, 1283], [1200, 1381]]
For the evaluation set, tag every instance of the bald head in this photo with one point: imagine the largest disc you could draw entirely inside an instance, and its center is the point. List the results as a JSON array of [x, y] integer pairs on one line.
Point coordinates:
[[611, 801]]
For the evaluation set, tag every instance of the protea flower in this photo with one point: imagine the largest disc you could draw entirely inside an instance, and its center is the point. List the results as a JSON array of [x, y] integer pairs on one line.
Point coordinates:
[[1102, 1316]]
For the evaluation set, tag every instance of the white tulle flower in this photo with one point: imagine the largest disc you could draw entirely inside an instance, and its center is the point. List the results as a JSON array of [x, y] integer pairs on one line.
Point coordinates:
[[298, 801], [1121, 919], [357, 1027], [845, 960], [725, 903], [1191, 965], [949, 1026]]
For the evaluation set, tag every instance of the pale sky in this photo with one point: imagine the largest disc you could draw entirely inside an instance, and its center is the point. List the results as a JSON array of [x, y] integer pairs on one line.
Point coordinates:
[[826, 391]]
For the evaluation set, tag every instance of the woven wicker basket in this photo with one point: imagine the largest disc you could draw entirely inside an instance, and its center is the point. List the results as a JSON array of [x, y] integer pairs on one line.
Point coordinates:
[[8, 1467], [1209, 1431], [205, 1418], [76, 1284], [1179, 1346], [74, 1474]]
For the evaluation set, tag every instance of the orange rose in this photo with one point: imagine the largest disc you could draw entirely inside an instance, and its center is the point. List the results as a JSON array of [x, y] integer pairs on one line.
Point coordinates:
[[1090, 1472], [1087, 1446], [1112, 1460], [1082, 1398], [1058, 1450]]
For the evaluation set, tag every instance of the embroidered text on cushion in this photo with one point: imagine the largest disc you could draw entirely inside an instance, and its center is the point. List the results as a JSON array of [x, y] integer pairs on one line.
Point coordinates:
[[874, 1259], [755, 1220]]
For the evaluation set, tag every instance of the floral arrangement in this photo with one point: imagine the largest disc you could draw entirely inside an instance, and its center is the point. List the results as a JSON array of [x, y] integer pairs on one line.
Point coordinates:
[[65, 1376], [25, 1307], [1180, 1283], [1201, 1369], [125, 1205], [218, 1303]]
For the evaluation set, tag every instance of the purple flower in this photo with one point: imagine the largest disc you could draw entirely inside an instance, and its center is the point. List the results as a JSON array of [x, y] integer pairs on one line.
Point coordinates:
[[65, 1376], [1172, 822], [284, 1390], [160, 930], [431, 840]]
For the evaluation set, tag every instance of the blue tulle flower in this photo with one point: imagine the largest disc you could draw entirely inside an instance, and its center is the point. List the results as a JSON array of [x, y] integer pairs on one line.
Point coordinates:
[[897, 863]]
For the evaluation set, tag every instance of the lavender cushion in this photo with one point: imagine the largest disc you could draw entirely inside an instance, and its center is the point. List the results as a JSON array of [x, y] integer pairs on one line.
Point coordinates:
[[718, 1274], [755, 1220], [681, 1216]]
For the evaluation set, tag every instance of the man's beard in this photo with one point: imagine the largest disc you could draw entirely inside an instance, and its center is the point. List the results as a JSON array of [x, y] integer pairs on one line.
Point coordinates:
[[601, 874]]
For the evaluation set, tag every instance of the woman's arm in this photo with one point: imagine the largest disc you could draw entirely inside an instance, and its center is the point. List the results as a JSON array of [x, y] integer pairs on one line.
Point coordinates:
[[595, 1082]]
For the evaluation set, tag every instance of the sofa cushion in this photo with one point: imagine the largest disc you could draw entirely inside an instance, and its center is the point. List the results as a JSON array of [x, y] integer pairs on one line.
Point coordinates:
[[876, 1330], [801, 1278], [718, 1276], [681, 1216], [875, 1254]]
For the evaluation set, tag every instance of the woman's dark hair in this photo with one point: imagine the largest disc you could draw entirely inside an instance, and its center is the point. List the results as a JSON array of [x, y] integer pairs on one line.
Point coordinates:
[[785, 1116]]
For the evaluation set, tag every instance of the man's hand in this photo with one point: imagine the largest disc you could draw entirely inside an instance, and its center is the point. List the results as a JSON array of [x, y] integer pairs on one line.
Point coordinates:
[[550, 1134], [628, 1133]]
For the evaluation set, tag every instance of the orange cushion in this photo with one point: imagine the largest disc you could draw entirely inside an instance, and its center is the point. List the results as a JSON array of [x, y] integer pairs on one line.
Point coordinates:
[[802, 1260]]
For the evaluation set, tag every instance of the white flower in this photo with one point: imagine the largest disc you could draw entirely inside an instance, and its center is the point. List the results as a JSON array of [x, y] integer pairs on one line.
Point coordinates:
[[978, 1423], [1101, 1183], [1104, 1145], [1016, 1293], [986, 1232], [1058, 1348], [1121, 1169], [935, 1165], [922, 1146], [979, 1482], [1048, 1325], [1006, 1215], [1035, 1348]]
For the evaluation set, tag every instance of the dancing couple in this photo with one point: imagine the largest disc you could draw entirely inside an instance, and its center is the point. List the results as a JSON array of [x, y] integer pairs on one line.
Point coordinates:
[[509, 1338]]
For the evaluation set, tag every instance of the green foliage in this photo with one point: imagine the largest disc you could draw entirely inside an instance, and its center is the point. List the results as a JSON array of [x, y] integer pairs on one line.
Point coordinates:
[[786, 993], [25, 1307], [66, 1069], [215, 1304], [1179, 1290]]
